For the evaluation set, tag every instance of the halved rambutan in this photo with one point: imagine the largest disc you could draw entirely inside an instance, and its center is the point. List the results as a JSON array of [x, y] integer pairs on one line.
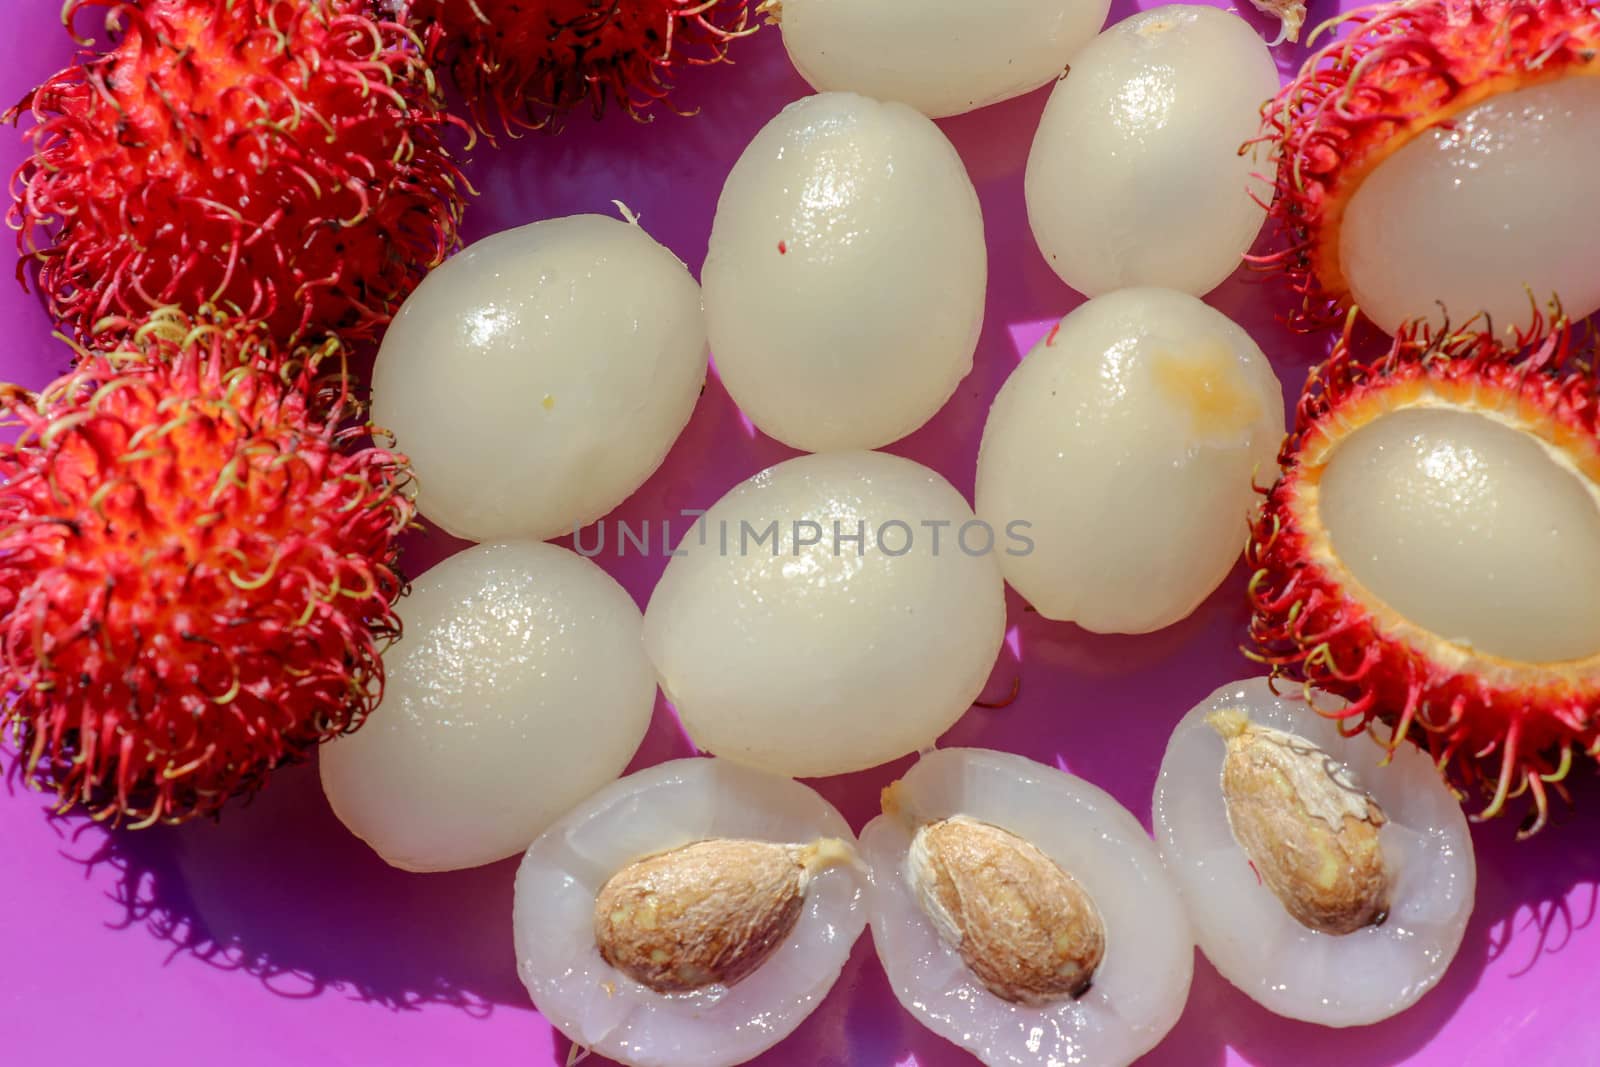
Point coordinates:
[[523, 63], [1432, 552], [197, 568], [279, 157], [1443, 153]]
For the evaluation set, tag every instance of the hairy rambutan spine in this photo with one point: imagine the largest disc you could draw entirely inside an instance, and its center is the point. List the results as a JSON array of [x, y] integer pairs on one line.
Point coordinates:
[[282, 158], [198, 568], [1503, 729], [522, 66], [1399, 70]]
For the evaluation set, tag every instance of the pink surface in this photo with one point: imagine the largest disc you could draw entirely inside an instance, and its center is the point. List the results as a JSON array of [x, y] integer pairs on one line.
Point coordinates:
[[275, 938]]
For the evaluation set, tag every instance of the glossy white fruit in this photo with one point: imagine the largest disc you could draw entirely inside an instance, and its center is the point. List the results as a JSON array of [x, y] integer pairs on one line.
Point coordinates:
[[521, 687], [1135, 177], [1347, 980], [943, 57], [1129, 438], [1419, 497], [1477, 215], [845, 283], [655, 810], [539, 377], [1139, 990], [828, 657]]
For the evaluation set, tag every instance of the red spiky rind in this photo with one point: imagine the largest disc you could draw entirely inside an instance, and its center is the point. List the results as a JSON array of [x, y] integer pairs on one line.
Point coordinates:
[[283, 158], [198, 569], [1496, 726], [1401, 69], [523, 64]]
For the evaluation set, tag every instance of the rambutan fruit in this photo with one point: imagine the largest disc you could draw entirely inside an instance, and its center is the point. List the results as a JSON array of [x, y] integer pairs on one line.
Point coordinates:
[[523, 63], [1432, 552], [197, 569], [282, 158], [1439, 159]]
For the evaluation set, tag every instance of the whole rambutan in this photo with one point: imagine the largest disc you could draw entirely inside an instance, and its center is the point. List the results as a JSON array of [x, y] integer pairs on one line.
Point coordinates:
[[523, 63], [1441, 153], [1432, 552], [279, 157], [197, 568]]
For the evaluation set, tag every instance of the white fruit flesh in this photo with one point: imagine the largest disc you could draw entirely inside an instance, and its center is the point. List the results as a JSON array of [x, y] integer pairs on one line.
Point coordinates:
[[1347, 980], [539, 377], [659, 809], [1471, 529], [1476, 216], [1135, 177], [1129, 439], [1139, 989], [943, 57], [827, 658], [845, 283], [521, 686]]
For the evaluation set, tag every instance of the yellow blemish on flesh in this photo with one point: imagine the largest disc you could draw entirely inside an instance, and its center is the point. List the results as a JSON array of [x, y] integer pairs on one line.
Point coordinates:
[[1205, 380]]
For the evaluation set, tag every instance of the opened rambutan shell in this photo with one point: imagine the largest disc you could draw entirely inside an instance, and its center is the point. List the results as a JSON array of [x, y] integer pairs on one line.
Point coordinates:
[[197, 569], [523, 63], [1440, 152], [1495, 668], [282, 158]]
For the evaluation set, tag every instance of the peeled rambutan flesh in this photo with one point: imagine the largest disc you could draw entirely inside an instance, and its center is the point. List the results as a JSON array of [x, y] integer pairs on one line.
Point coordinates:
[[1438, 160], [197, 569], [1432, 551], [282, 158], [523, 63]]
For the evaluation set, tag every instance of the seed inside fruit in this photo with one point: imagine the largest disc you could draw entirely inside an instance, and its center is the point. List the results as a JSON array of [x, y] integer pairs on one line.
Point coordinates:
[[1026, 929], [708, 913], [1308, 829]]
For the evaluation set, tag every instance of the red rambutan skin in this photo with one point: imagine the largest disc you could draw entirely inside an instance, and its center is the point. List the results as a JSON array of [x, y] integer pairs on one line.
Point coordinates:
[[521, 64], [1501, 728], [197, 569], [1401, 69], [282, 158]]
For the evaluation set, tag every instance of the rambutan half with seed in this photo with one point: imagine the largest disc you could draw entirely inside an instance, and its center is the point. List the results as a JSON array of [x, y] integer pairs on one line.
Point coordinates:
[[197, 568], [523, 63], [1439, 159], [1432, 552], [279, 157]]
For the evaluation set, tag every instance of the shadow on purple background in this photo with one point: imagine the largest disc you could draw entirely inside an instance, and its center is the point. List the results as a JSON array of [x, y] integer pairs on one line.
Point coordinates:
[[276, 925]]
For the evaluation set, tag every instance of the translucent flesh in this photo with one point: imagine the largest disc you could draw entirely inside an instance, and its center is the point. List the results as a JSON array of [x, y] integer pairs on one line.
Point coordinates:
[[943, 57], [1471, 529], [1476, 215], [662, 808], [521, 663], [844, 285], [1244, 930], [1141, 985], [830, 656], [1129, 439], [1135, 176], [539, 377]]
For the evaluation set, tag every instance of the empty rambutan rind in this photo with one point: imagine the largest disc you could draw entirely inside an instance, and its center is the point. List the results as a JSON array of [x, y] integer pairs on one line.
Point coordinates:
[[1409, 151], [197, 569], [1432, 548], [279, 157], [522, 66]]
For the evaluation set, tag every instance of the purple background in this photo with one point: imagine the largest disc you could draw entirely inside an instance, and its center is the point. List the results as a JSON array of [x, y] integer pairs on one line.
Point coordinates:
[[275, 938]]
